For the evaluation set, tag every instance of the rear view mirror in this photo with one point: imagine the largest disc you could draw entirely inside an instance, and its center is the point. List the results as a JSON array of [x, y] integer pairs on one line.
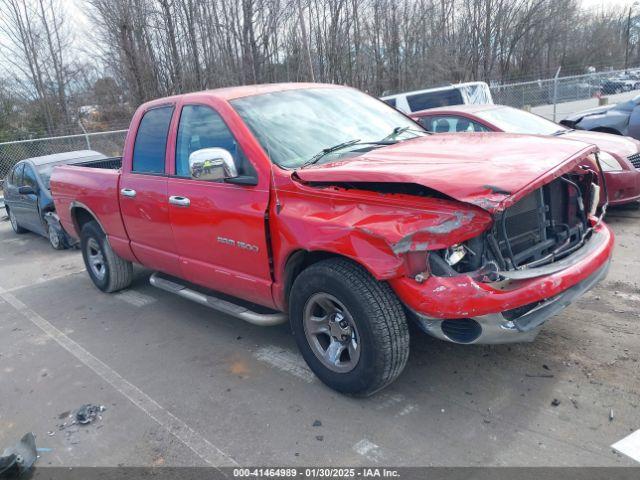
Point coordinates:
[[26, 190], [212, 164]]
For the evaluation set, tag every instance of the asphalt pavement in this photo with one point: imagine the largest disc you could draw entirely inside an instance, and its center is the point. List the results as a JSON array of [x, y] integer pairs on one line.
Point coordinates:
[[183, 385]]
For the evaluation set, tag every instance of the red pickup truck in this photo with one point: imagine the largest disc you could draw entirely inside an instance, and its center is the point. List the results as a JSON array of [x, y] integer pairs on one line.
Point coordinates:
[[324, 207]]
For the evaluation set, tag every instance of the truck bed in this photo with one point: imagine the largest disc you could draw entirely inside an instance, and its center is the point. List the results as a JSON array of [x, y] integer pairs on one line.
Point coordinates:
[[111, 163], [93, 186]]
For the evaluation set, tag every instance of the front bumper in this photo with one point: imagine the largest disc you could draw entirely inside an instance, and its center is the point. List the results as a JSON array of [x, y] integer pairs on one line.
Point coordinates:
[[509, 311], [498, 328], [623, 186]]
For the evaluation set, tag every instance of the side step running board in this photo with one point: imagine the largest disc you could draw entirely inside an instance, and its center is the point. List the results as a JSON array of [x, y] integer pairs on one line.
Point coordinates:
[[238, 311]]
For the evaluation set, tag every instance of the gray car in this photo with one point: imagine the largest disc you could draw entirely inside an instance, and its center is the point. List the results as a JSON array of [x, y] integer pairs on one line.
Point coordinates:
[[27, 195], [620, 119]]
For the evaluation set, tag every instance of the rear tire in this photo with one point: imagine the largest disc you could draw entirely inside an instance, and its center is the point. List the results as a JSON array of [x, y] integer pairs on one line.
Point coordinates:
[[107, 270], [336, 305], [14, 223]]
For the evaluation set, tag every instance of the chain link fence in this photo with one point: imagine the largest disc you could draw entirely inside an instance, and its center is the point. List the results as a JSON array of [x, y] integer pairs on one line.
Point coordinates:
[[560, 96], [107, 143], [553, 98]]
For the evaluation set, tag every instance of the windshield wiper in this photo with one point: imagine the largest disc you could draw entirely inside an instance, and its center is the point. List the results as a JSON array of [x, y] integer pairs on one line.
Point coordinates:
[[316, 158], [400, 130], [562, 132], [325, 151]]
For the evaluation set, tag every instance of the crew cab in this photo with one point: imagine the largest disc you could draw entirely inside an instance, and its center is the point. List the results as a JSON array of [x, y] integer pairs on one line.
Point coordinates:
[[321, 206]]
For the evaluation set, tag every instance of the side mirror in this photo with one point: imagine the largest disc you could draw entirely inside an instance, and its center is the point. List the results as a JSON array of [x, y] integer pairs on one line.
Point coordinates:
[[26, 190], [212, 164]]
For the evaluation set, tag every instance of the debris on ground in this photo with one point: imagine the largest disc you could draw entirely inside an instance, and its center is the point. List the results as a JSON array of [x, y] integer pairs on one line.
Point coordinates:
[[317, 423], [84, 415], [555, 402], [88, 413], [19, 459]]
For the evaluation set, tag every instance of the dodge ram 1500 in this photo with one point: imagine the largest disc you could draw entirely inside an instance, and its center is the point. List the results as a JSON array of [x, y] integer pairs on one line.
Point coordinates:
[[322, 206]]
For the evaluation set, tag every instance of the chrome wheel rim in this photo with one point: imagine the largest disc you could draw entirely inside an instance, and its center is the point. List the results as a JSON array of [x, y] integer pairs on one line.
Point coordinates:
[[54, 239], [96, 259], [14, 222], [331, 332]]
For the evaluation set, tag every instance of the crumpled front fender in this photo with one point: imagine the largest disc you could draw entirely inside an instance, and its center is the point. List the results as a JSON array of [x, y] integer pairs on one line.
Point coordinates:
[[374, 230]]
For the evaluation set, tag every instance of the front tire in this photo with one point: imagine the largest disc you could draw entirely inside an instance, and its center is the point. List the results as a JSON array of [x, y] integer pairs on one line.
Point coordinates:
[[56, 238], [107, 270], [350, 328]]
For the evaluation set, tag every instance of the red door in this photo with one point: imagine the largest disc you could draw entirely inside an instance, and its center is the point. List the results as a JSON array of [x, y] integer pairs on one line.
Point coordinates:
[[218, 227], [143, 194]]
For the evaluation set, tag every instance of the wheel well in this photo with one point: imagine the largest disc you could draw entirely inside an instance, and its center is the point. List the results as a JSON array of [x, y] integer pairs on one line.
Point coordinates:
[[606, 130], [300, 260], [81, 217]]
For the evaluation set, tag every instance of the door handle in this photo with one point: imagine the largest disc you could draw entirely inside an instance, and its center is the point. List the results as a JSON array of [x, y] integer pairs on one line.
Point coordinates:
[[127, 192], [179, 201]]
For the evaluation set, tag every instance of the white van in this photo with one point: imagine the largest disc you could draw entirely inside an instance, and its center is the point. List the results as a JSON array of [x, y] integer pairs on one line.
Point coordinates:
[[459, 94]]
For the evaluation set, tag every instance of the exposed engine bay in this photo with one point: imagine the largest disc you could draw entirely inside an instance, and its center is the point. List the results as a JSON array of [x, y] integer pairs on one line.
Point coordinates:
[[545, 226]]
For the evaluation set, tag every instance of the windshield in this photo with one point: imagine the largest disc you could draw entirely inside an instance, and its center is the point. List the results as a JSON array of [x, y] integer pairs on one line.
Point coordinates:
[[295, 125], [512, 120]]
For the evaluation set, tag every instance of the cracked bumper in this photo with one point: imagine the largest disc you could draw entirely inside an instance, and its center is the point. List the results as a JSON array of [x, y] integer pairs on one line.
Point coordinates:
[[500, 328], [512, 311]]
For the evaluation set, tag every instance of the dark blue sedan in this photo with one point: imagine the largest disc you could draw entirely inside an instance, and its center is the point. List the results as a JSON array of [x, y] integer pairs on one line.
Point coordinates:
[[27, 195]]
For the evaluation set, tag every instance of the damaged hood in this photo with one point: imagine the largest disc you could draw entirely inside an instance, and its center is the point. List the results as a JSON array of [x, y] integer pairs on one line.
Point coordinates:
[[614, 144], [491, 171]]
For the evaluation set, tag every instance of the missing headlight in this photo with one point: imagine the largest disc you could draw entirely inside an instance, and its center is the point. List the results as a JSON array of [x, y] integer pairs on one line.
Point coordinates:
[[455, 254], [458, 258]]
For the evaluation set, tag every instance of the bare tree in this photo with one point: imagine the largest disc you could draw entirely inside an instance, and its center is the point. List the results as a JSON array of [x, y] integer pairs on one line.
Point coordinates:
[[143, 49]]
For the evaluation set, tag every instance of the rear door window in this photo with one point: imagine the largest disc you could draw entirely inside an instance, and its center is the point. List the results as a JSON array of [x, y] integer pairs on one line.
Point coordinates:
[[29, 179], [17, 175], [442, 98], [151, 141]]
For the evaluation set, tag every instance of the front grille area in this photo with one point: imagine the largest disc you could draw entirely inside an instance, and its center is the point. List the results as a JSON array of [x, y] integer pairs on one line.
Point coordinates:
[[635, 160], [541, 226]]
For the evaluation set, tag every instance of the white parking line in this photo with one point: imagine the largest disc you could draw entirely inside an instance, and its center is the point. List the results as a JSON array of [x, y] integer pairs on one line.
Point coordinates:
[[183, 432], [369, 450], [49, 278], [134, 298], [629, 446], [388, 400], [19, 241], [286, 361], [407, 410]]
